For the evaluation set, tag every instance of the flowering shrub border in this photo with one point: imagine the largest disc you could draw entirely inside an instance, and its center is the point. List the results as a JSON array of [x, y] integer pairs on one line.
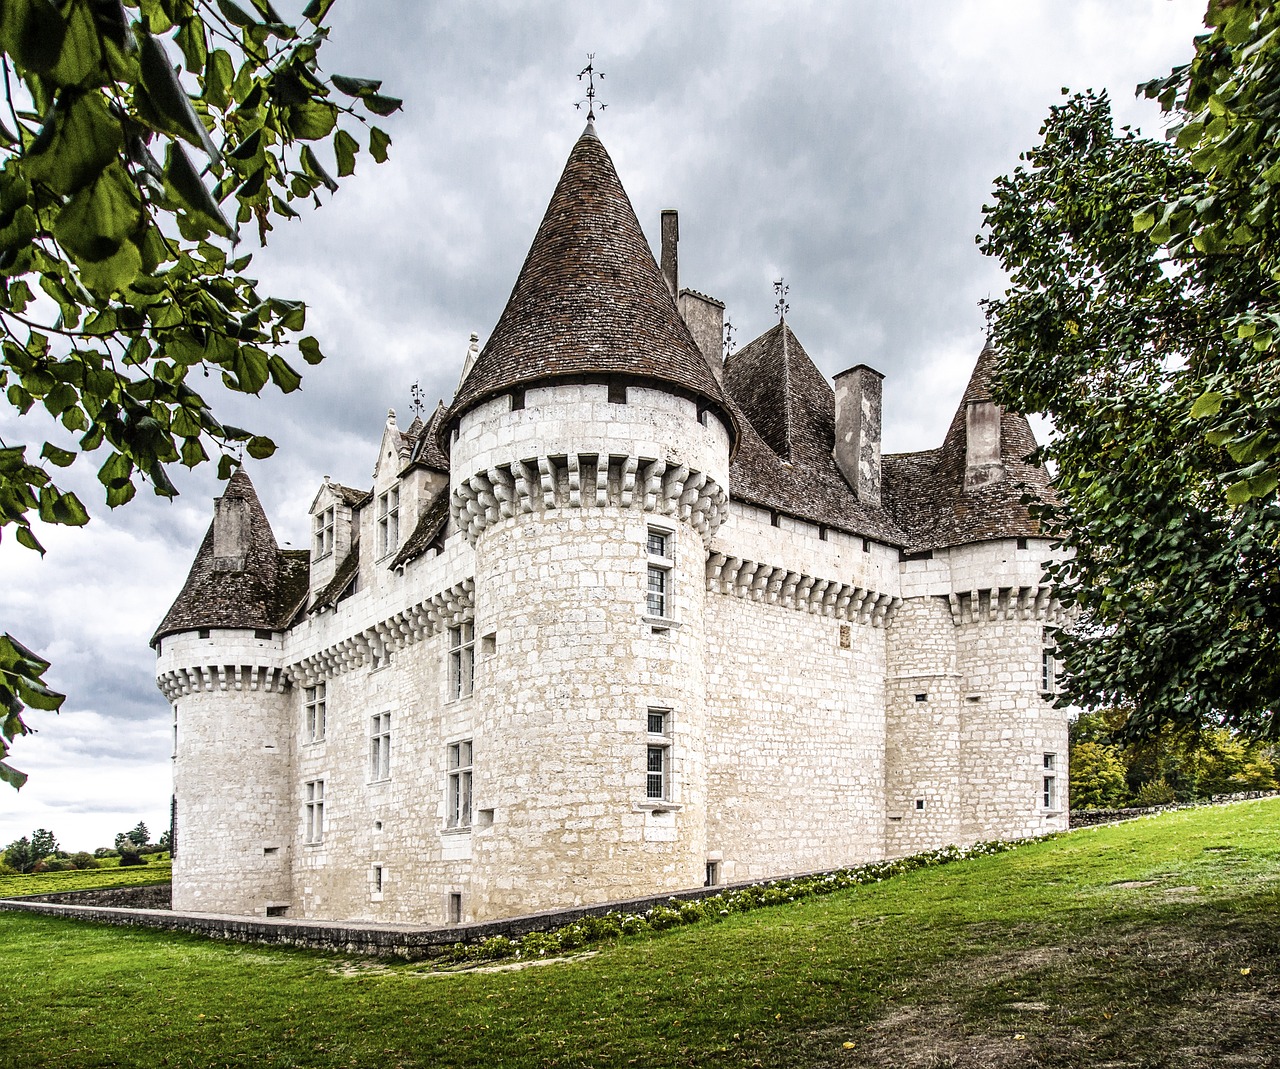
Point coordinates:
[[713, 907]]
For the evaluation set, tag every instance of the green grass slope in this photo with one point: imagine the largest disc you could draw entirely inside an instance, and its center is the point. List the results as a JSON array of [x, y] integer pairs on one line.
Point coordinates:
[[44, 883], [1153, 943]]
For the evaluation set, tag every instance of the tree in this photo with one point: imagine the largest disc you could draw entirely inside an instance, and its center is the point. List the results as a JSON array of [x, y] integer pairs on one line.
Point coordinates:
[[20, 856], [124, 178], [1143, 318], [1097, 777], [43, 843], [139, 835]]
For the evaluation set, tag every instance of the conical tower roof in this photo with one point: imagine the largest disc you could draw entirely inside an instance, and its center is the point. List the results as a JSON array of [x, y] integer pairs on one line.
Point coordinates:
[[1017, 440], [590, 301], [266, 591]]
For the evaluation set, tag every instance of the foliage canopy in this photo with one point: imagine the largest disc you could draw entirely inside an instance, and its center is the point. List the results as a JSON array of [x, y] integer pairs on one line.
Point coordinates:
[[1143, 318], [136, 138]]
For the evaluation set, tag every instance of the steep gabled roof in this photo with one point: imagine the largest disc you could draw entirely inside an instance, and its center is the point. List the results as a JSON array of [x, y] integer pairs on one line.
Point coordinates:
[[266, 593], [784, 460], [426, 450], [344, 575], [427, 530], [926, 494], [589, 300]]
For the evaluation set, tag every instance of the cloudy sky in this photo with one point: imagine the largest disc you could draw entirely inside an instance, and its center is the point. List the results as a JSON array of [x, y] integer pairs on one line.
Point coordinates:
[[845, 146]]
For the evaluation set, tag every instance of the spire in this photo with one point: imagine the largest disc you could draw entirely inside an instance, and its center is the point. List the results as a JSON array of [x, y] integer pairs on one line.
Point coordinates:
[[590, 300]]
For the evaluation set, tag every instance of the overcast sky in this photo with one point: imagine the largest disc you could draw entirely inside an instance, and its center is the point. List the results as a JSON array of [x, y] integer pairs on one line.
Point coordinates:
[[845, 146]]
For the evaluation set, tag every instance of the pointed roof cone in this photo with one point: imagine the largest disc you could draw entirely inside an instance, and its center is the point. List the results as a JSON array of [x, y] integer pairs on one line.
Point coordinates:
[[1017, 440], [240, 577], [787, 399], [590, 301], [426, 451]]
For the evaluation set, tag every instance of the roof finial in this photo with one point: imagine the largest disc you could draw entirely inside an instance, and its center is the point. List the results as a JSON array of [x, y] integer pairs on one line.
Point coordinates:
[[729, 328], [781, 306], [590, 72], [417, 403]]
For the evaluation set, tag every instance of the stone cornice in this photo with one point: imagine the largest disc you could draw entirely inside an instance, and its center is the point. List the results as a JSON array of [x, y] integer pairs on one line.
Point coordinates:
[[777, 585], [1005, 603]]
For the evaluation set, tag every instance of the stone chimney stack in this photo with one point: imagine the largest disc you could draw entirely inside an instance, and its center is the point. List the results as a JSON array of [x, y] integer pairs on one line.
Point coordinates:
[[670, 258], [704, 316], [230, 533], [857, 449], [983, 462]]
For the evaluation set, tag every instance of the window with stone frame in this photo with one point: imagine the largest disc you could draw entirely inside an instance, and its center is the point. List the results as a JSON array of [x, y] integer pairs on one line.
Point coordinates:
[[462, 660], [313, 811], [1048, 668], [657, 786], [388, 521], [380, 747], [659, 544], [324, 521], [458, 789], [1049, 786], [314, 712]]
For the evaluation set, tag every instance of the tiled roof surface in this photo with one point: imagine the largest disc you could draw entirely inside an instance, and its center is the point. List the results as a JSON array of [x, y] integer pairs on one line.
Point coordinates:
[[351, 497], [427, 529], [426, 450], [266, 594], [343, 576], [784, 460], [589, 300], [925, 491]]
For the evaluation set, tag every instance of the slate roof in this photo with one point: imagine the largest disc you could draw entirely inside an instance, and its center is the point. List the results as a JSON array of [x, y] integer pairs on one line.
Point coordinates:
[[343, 576], [925, 491], [427, 452], [428, 528], [267, 594], [351, 497], [784, 460], [590, 301]]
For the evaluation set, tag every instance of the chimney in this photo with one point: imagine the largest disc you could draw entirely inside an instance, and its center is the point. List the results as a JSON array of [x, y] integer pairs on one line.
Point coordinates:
[[670, 260], [230, 533], [982, 459], [857, 449], [704, 316]]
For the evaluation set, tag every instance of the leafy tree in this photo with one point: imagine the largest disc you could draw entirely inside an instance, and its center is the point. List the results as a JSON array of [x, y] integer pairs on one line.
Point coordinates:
[[20, 856], [139, 835], [1097, 777], [165, 841], [1142, 317], [137, 138], [43, 842]]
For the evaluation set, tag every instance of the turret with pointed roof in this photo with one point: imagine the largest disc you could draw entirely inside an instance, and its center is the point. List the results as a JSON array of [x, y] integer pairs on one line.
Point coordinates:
[[590, 301], [241, 578]]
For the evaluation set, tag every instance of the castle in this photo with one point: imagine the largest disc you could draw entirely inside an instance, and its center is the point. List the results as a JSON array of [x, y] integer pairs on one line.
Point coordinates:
[[625, 618]]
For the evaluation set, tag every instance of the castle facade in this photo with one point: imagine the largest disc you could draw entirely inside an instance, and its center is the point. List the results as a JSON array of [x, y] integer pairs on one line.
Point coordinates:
[[625, 618]]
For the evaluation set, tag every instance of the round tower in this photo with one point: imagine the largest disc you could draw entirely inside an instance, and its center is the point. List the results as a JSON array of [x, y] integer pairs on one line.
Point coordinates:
[[590, 448], [220, 663]]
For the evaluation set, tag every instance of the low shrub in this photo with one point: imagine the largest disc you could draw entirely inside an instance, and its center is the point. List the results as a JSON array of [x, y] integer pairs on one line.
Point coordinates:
[[82, 859], [129, 857]]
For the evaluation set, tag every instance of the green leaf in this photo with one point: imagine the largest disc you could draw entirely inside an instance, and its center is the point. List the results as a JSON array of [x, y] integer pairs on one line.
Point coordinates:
[[61, 457], [27, 538], [312, 119], [1207, 404], [191, 40], [1144, 220], [378, 144], [32, 31], [310, 349], [259, 447], [316, 10], [235, 14], [184, 185], [167, 97], [80, 138], [81, 61], [283, 375], [345, 148], [312, 166], [356, 87], [381, 105], [11, 775], [219, 73]]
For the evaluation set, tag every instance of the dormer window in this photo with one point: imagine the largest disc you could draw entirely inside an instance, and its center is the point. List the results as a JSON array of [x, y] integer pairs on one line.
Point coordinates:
[[388, 521], [324, 532]]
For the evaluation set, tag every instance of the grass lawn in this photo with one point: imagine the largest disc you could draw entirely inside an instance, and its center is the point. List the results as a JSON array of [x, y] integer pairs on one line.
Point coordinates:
[[1153, 943], [110, 875]]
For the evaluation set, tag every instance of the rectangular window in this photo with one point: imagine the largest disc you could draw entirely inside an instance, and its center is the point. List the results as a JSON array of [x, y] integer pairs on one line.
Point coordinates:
[[462, 660], [458, 806], [658, 756], [324, 532], [314, 811], [380, 747], [175, 729], [314, 705], [455, 908], [657, 600], [713, 874], [1050, 785], [1048, 671], [377, 879], [388, 521]]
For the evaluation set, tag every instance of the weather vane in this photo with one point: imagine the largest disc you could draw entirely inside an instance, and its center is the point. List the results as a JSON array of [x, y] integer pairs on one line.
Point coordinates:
[[590, 72], [729, 328], [417, 403], [781, 306]]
